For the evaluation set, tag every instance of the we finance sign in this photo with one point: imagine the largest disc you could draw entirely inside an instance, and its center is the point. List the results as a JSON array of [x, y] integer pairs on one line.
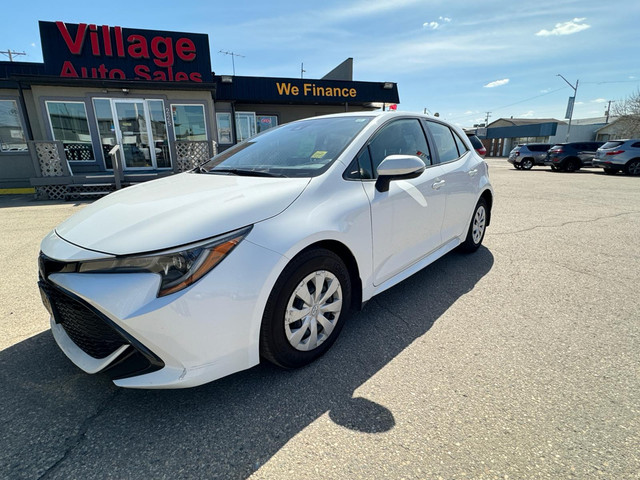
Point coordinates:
[[90, 51]]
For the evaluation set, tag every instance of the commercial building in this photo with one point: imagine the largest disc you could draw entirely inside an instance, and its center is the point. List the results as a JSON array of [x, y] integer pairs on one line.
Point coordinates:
[[112, 105], [501, 135]]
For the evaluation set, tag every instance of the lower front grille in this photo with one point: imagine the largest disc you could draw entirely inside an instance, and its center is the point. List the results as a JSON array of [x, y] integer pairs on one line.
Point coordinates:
[[85, 328]]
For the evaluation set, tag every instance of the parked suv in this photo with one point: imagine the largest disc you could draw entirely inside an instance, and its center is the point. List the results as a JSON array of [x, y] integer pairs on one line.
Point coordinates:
[[619, 155], [571, 157], [525, 156]]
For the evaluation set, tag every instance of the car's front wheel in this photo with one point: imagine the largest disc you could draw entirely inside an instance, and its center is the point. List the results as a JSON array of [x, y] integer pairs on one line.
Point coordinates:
[[477, 228], [306, 309]]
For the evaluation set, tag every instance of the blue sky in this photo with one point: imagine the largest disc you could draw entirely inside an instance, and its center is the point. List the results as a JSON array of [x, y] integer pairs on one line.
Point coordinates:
[[460, 59]]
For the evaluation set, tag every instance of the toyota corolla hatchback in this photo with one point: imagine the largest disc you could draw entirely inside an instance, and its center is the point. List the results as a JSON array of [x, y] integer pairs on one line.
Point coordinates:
[[262, 251]]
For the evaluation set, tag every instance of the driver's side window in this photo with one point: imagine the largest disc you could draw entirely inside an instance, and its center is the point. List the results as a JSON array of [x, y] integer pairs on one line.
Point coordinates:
[[400, 137]]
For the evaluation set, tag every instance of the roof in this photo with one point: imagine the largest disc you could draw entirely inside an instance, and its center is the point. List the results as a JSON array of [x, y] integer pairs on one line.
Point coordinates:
[[526, 121]]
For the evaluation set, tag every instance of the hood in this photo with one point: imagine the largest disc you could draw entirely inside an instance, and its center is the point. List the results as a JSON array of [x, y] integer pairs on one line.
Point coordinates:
[[177, 210]]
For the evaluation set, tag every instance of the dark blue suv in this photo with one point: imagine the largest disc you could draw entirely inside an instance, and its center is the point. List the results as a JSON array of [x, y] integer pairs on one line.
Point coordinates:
[[571, 157]]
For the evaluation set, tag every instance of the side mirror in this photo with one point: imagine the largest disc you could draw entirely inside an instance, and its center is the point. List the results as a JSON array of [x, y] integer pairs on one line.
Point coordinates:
[[398, 167]]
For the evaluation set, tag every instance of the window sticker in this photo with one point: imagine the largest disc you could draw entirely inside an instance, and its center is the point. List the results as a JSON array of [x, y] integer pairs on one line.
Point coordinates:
[[319, 154]]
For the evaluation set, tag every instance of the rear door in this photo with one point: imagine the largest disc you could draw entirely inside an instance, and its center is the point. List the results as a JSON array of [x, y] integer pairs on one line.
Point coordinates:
[[461, 173]]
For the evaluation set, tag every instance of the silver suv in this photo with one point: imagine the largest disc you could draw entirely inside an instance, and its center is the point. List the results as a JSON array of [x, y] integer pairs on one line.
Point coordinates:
[[619, 155], [525, 156]]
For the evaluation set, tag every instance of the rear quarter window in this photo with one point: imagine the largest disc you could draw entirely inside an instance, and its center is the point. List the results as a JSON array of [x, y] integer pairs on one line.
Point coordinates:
[[609, 145]]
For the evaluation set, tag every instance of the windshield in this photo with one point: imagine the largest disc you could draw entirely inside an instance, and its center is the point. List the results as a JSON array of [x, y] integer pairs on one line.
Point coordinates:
[[300, 149]]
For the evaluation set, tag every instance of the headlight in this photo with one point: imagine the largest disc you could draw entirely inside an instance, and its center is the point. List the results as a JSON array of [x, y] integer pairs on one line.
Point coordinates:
[[178, 267]]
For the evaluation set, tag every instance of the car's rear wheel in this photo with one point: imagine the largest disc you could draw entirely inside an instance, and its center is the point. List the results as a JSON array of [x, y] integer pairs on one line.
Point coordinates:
[[572, 165], [477, 228], [633, 168], [306, 309], [526, 164], [516, 166]]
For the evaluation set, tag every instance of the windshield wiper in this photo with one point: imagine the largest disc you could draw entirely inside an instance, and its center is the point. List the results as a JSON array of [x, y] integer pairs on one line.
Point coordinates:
[[245, 173]]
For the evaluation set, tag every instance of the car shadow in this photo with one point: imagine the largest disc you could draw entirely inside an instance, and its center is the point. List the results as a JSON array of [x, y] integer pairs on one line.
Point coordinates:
[[59, 422]]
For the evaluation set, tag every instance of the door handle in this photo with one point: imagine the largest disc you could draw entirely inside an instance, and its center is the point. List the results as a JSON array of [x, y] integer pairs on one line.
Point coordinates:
[[473, 173], [438, 185]]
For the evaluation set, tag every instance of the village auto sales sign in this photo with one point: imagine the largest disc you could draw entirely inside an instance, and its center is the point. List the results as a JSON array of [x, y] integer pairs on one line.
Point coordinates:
[[88, 51]]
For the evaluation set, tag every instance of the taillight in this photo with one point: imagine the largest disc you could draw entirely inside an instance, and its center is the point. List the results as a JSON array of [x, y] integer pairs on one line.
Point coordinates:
[[617, 152], [555, 150], [482, 151], [517, 154]]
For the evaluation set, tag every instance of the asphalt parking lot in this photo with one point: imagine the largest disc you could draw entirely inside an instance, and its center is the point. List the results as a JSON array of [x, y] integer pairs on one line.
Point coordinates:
[[519, 361]]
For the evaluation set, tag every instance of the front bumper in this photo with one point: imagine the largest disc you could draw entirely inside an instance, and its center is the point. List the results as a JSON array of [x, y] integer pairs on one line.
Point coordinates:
[[202, 333]]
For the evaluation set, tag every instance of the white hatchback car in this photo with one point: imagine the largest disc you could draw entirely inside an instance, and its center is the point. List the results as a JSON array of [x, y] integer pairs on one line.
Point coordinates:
[[263, 250]]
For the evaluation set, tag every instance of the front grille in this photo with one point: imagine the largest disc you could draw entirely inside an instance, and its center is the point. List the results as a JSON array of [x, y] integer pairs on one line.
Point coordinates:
[[87, 330]]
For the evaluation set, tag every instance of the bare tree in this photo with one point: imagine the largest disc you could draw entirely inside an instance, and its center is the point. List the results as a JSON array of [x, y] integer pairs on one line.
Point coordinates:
[[628, 111]]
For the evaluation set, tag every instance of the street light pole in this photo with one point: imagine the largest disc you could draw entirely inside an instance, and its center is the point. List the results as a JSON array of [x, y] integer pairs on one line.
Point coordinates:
[[575, 92]]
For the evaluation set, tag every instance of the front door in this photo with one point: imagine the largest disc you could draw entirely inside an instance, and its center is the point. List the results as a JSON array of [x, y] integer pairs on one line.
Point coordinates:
[[138, 126]]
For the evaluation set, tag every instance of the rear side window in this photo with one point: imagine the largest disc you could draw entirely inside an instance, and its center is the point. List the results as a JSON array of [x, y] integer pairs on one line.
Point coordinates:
[[400, 137], [539, 148], [609, 145], [462, 148], [444, 142], [636, 145]]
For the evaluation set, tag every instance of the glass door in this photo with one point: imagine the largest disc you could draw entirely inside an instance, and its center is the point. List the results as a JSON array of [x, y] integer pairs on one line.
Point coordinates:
[[132, 128], [245, 125]]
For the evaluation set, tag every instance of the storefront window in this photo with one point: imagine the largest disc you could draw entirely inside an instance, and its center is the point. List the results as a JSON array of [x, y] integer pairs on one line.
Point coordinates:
[[11, 133], [189, 122], [106, 128], [69, 125], [159, 133], [224, 127], [265, 122]]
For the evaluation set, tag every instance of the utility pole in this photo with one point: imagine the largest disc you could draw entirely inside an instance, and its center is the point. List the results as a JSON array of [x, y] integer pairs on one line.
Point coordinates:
[[571, 103], [607, 112], [486, 119], [233, 63], [10, 53], [302, 70]]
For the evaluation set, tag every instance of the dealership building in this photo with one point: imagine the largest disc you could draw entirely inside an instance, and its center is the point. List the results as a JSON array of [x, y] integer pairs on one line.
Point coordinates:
[[111, 106]]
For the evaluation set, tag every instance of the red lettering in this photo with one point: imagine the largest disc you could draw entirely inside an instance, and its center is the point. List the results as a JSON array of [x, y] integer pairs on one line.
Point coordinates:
[[164, 56], [68, 70], [119, 41], [83, 72], [181, 77], [138, 47], [106, 38], [93, 38], [159, 76], [102, 70], [195, 77], [117, 73], [185, 49], [74, 46], [142, 72]]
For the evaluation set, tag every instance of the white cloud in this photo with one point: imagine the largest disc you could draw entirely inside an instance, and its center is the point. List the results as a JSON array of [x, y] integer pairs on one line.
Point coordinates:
[[497, 83], [565, 28], [469, 112], [528, 114], [598, 100], [444, 19], [33, 44], [431, 25], [579, 103], [631, 77]]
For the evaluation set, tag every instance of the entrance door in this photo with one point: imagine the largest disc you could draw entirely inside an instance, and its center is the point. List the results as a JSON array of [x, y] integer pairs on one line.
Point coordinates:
[[132, 128], [245, 125]]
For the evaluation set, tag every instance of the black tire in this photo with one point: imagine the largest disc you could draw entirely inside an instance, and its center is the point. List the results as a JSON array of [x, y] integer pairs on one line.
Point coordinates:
[[473, 240], [572, 165], [516, 166], [554, 168], [610, 171], [526, 164], [632, 168], [274, 344]]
